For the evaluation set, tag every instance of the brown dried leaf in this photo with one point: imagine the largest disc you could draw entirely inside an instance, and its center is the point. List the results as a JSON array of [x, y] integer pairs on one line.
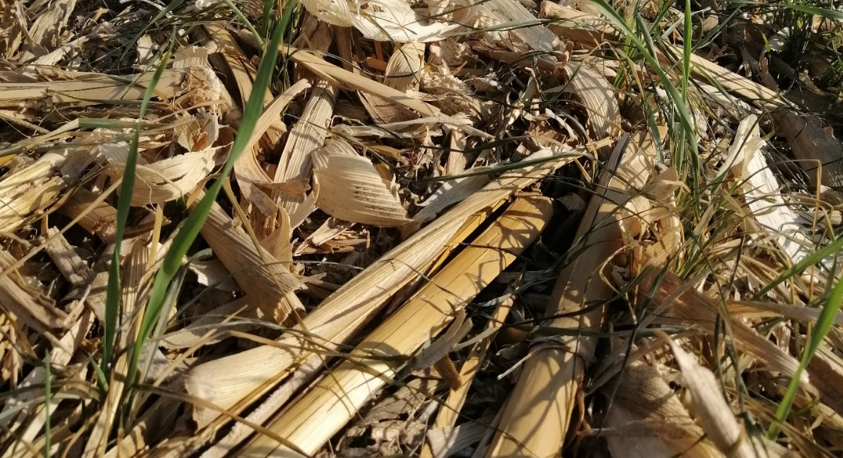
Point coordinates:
[[350, 188]]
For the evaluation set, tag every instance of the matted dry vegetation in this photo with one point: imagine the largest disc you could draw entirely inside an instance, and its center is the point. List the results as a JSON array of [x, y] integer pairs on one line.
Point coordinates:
[[445, 228]]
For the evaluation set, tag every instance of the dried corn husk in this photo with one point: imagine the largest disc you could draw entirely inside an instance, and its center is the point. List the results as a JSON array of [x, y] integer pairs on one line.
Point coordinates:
[[762, 191], [227, 381], [588, 29], [525, 25], [35, 187], [214, 326], [405, 66], [135, 289], [536, 416], [597, 97], [686, 303], [35, 412], [350, 188], [646, 416], [268, 283], [247, 169], [449, 193], [714, 413], [305, 137], [390, 20], [102, 220], [87, 89], [29, 305], [311, 420], [345, 79], [574, 25], [164, 180]]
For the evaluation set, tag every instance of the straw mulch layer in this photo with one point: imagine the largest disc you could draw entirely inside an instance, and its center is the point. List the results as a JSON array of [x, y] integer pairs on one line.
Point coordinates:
[[495, 229]]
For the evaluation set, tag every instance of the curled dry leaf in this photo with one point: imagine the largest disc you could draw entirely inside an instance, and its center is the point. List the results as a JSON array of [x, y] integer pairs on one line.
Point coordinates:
[[165, 180], [350, 188], [383, 20], [266, 281], [648, 416], [597, 97], [37, 185], [405, 65]]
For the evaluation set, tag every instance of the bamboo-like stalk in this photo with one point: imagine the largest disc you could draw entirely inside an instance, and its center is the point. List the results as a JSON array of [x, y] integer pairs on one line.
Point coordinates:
[[312, 419], [536, 416], [230, 380], [450, 410], [268, 283]]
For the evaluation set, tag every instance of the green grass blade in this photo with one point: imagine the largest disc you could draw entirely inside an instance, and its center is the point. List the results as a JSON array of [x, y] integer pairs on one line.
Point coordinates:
[[686, 51], [192, 225], [112, 299], [800, 266], [245, 21], [266, 17], [647, 50], [824, 12], [823, 326]]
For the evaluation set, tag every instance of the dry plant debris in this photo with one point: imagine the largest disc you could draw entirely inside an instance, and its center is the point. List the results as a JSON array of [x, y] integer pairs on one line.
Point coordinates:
[[436, 228]]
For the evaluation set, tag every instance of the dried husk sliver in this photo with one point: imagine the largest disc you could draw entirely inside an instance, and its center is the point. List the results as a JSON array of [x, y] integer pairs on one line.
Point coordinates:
[[267, 282], [312, 419], [164, 180], [350, 189], [306, 137], [229, 380]]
